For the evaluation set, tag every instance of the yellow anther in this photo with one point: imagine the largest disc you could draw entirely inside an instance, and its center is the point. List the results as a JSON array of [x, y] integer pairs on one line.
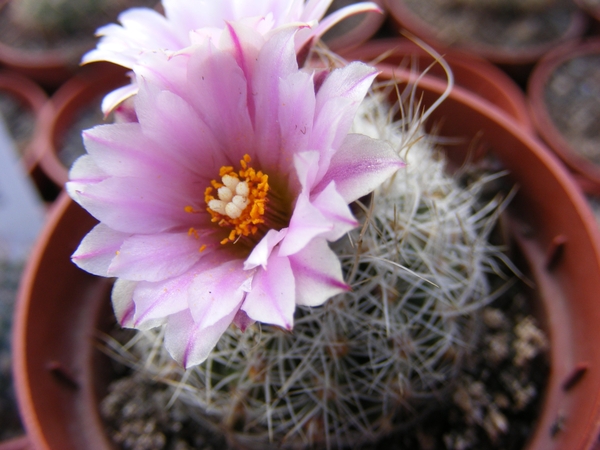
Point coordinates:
[[190, 209], [243, 208], [202, 248]]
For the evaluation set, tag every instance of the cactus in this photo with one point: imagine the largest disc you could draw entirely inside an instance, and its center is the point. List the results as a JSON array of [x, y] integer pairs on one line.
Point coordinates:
[[375, 359], [62, 17]]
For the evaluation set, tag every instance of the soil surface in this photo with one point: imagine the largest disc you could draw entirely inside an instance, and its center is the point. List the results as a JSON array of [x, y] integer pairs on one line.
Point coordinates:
[[484, 23], [591, 3], [72, 146], [572, 96], [19, 120], [496, 399], [10, 274]]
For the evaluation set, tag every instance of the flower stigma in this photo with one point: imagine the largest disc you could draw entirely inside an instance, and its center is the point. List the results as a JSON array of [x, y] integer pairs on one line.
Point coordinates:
[[240, 201]]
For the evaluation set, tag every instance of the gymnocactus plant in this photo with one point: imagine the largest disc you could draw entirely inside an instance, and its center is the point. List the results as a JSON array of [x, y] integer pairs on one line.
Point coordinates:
[[371, 360]]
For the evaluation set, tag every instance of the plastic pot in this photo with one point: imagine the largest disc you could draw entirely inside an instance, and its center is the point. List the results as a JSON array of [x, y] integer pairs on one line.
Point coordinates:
[[593, 9], [32, 98], [586, 171], [517, 61], [59, 379], [50, 68], [66, 106]]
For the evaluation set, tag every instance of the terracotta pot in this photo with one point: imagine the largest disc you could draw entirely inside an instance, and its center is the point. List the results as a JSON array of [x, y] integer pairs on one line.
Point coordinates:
[[60, 306], [558, 235], [85, 89], [32, 98], [58, 370], [20, 443], [470, 72], [517, 62], [354, 30], [50, 68], [586, 171], [592, 9]]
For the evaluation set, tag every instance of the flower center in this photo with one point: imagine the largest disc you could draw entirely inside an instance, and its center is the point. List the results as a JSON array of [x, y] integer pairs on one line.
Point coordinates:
[[240, 201]]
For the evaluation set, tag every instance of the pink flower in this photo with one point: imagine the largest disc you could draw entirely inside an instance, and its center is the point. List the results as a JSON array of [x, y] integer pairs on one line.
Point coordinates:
[[187, 22], [217, 205]]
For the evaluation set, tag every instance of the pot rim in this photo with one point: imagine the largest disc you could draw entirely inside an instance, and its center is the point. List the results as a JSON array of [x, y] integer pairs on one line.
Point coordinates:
[[524, 57], [544, 124]]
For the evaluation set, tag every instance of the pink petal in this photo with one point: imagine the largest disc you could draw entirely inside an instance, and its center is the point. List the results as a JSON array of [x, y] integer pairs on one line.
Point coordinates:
[[116, 97], [314, 10], [123, 150], [174, 126], [334, 208], [218, 93], [244, 43], [217, 291], [139, 205], [317, 273], [156, 301], [307, 166], [143, 29], [191, 14], [337, 101], [276, 61], [295, 117], [122, 301], [272, 298], [165, 71], [306, 223], [262, 251], [156, 257], [84, 171], [148, 29], [189, 344], [242, 321], [360, 166], [97, 250]]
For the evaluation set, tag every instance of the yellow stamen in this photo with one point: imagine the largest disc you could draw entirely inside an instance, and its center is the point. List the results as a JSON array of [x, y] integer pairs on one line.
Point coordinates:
[[190, 209], [240, 199]]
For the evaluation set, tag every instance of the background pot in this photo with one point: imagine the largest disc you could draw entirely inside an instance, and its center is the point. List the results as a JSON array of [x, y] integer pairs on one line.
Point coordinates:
[[32, 98], [587, 172], [66, 106], [50, 68], [516, 62], [470, 72], [593, 9]]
